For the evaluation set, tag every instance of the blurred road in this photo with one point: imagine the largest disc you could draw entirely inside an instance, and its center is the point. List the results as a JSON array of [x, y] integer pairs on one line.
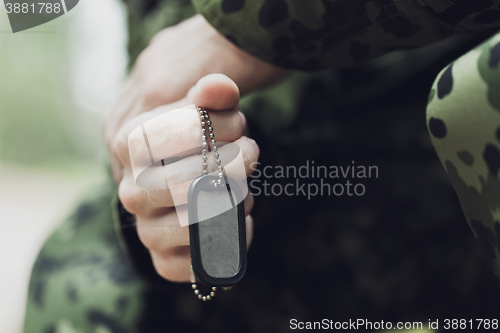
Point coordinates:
[[32, 203]]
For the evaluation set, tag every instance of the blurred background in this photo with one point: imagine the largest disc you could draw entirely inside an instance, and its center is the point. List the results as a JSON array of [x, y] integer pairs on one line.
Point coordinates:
[[56, 82]]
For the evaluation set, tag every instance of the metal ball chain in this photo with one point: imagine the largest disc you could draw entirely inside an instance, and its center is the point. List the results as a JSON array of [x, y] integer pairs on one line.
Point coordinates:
[[206, 122], [197, 292]]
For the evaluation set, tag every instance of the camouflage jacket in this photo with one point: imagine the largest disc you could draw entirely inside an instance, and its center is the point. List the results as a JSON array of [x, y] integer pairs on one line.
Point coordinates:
[[401, 252]]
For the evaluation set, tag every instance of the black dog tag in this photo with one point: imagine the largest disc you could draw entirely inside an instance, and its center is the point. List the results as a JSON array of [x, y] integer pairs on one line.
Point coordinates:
[[217, 231]]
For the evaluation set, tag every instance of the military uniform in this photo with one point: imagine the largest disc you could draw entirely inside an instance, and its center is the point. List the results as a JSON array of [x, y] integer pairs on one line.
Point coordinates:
[[400, 252]]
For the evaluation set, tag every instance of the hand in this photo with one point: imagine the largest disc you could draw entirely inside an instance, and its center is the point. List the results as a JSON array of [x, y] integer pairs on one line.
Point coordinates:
[[158, 224], [175, 60]]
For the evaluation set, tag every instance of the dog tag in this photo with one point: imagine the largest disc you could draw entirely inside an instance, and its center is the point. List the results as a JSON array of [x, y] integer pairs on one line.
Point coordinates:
[[217, 231]]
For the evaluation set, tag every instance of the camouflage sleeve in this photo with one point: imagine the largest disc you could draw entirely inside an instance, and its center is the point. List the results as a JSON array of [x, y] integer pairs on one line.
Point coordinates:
[[316, 34], [463, 117]]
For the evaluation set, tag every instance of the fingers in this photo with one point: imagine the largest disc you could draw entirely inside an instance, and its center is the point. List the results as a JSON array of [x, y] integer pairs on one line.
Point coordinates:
[[213, 92], [162, 232], [179, 131], [173, 133], [174, 263], [227, 92], [141, 201], [118, 140]]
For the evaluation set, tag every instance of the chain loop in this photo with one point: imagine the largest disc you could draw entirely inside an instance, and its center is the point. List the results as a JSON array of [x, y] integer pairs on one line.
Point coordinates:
[[206, 125], [197, 292], [205, 121]]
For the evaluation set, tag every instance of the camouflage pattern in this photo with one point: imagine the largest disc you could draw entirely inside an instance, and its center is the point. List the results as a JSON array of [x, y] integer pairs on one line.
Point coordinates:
[[464, 120], [401, 252], [147, 17], [82, 280], [315, 34]]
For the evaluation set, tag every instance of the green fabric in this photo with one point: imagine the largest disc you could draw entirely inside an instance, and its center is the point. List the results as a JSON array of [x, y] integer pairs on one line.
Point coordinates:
[[83, 280], [402, 252], [142, 27], [316, 34], [464, 120]]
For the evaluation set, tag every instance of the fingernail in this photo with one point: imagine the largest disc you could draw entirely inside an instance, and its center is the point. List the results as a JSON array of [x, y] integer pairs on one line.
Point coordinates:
[[204, 79], [201, 81], [255, 146]]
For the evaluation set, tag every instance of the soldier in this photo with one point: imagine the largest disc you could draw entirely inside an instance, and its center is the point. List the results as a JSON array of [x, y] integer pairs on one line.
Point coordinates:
[[397, 253]]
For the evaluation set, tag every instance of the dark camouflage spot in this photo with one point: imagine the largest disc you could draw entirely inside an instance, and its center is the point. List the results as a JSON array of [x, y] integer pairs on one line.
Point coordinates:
[[451, 16], [466, 157], [146, 6], [392, 22], [46, 265], [38, 293], [110, 239], [492, 157], [283, 46], [84, 213], [272, 11], [303, 44], [482, 231], [494, 56], [437, 128], [497, 133], [98, 318], [122, 304], [233, 40], [487, 17], [445, 83], [340, 19], [359, 51], [469, 7], [119, 269], [72, 293], [50, 329], [232, 6]]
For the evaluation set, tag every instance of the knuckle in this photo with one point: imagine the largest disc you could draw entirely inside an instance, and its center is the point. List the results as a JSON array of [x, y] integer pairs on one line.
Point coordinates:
[[143, 57], [249, 156], [148, 238], [249, 203], [129, 197], [119, 146], [153, 92], [248, 153], [236, 124], [166, 271], [170, 266]]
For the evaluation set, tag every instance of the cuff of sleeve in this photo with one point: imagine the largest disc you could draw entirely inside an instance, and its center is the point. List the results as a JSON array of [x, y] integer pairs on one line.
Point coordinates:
[[242, 24], [304, 36], [125, 227]]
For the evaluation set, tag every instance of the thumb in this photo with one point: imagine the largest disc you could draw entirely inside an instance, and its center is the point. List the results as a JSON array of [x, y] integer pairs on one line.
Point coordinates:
[[215, 92]]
